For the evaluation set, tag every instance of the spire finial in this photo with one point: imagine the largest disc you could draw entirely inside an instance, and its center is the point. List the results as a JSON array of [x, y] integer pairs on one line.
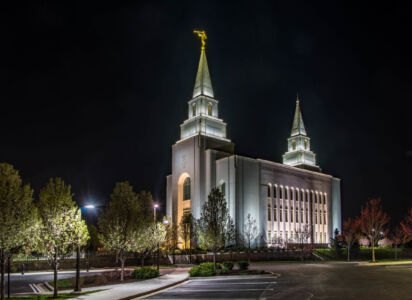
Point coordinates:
[[203, 37]]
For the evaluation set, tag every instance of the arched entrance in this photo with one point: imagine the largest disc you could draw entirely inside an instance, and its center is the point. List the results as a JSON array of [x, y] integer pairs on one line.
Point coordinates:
[[184, 194]]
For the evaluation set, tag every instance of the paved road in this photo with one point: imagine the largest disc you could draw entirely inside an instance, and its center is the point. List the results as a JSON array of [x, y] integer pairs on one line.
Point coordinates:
[[242, 288], [305, 281], [20, 283]]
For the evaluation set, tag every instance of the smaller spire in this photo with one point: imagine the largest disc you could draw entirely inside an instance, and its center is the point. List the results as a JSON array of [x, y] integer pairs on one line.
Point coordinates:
[[298, 127]]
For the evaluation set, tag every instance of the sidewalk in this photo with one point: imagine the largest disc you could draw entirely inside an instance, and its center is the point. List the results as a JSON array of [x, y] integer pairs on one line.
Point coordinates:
[[136, 289]]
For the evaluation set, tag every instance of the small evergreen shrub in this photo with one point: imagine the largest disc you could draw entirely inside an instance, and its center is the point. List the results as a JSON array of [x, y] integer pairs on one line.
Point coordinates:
[[145, 273], [243, 265], [228, 265], [203, 270]]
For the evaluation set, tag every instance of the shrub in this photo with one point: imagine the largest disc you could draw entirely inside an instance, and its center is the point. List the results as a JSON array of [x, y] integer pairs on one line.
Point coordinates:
[[228, 265], [204, 269], [243, 265], [223, 271], [145, 273]]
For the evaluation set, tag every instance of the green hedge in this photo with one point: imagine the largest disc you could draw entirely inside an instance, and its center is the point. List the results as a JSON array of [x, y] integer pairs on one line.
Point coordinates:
[[243, 265], [145, 273], [202, 270], [228, 265]]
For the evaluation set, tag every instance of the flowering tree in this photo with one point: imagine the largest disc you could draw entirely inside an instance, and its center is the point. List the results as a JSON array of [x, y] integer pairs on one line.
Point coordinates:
[[18, 217], [157, 232], [373, 222], [406, 226], [58, 214], [121, 223], [398, 237], [350, 233]]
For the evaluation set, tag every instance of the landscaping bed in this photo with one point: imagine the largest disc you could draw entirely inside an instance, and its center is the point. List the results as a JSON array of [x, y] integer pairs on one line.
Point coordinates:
[[224, 269], [105, 278]]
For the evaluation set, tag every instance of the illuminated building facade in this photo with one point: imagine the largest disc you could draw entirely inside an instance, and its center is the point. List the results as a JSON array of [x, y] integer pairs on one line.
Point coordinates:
[[291, 202]]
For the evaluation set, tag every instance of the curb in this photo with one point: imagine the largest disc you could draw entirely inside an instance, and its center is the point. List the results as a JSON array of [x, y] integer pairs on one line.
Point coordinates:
[[276, 275], [154, 290]]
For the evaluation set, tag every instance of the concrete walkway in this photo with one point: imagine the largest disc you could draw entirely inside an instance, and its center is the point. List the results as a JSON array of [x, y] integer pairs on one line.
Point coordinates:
[[136, 289]]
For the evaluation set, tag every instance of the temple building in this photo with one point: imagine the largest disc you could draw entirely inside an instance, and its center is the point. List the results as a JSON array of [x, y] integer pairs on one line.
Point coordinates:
[[291, 201]]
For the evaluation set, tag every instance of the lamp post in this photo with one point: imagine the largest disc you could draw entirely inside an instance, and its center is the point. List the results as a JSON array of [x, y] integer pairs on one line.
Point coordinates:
[[154, 211], [77, 286]]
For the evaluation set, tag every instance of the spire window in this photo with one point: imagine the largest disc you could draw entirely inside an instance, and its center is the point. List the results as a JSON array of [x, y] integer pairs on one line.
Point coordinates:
[[209, 109], [194, 109], [293, 145]]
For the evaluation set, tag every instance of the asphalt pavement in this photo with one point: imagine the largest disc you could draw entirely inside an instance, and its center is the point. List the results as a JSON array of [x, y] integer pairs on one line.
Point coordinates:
[[21, 283], [304, 281]]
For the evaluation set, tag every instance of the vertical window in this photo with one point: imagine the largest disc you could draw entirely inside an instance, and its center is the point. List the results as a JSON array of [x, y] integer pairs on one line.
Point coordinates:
[[301, 215], [194, 109], [280, 215], [297, 216], [296, 195], [301, 195], [186, 189], [307, 196], [281, 192], [286, 194], [316, 217], [209, 109], [320, 217], [293, 145], [223, 189], [305, 143], [307, 215], [269, 188], [274, 213], [269, 212], [286, 214], [291, 214], [274, 191], [324, 218]]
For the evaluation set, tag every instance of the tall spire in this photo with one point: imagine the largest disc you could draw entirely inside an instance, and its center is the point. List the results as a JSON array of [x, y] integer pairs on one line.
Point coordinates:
[[203, 84], [298, 127]]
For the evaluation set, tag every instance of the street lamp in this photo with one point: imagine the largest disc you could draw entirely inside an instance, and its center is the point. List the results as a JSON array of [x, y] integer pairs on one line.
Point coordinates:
[[154, 211]]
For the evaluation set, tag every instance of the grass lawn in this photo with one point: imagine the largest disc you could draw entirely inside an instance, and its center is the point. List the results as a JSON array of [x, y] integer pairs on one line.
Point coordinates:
[[61, 296]]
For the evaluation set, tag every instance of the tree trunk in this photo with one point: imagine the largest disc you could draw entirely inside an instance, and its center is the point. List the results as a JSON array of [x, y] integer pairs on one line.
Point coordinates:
[[8, 275], [190, 251], [117, 261], [214, 260], [396, 252], [348, 250], [122, 259], [3, 272], [373, 252], [55, 294], [77, 287], [173, 256], [158, 256]]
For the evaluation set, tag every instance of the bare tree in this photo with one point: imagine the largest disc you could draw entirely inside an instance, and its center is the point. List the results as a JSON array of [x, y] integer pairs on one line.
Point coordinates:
[[303, 239], [351, 233], [373, 222], [250, 233]]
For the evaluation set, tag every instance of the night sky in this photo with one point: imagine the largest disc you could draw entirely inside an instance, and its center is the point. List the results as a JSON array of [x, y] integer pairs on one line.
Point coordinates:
[[95, 93]]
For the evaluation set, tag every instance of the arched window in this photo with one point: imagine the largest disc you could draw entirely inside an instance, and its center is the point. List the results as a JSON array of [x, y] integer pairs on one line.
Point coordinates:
[[186, 189], [209, 109], [194, 109], [305, 143], [269, 188], [293, 145], [281, 192], [286, 194]]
